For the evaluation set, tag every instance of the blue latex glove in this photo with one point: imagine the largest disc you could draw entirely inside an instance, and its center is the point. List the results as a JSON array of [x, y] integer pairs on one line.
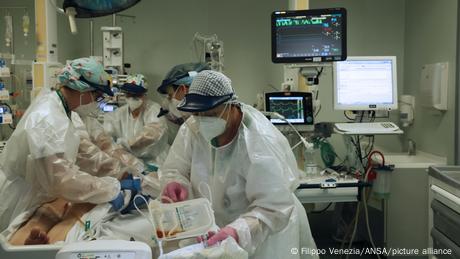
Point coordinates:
[[135, 201], [122, 200], [134, 185]]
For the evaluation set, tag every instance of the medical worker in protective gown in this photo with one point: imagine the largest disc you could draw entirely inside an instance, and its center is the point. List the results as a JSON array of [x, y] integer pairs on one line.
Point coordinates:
[[247, 164], [38, 163], [136, 126], [175, 86]]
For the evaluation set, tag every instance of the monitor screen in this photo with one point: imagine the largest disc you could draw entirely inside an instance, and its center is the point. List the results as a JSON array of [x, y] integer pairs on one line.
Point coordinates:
[[365, 83], [107, 107], [317, 35], [296, 107]]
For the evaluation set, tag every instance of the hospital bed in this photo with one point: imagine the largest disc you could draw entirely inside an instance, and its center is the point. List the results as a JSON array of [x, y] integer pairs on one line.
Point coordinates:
[[8, 251], [93, 249]]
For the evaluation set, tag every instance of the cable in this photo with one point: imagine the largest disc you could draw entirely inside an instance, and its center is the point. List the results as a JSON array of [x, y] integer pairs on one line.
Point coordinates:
[[318, 74], [373, 116], [369, 147], [371, 239], [346, 116], [281, 117], [357, 149], [12, 116], [319, 109], [323, 210]]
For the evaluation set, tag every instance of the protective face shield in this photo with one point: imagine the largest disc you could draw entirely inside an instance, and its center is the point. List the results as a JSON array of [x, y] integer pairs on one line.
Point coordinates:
[[211, 127], [172, 108], [134, 103], [171, 105]]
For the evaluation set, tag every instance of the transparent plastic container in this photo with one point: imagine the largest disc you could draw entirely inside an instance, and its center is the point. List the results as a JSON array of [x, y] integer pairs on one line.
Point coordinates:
[[182, 220], [381, 185], [310, 165]]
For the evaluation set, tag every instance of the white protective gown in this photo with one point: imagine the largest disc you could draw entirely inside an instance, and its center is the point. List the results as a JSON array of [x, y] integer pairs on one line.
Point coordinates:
[[251, 179], [94, 132], [145, 136], [91, 158], [38, 163]]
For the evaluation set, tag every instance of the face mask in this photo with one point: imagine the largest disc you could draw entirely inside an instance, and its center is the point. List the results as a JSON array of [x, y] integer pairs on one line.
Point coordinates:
[[211, 127], [89, 109], [133, 103], [172, 108]]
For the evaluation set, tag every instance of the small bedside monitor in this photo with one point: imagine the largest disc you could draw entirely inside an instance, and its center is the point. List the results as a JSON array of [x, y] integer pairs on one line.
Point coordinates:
[[296, 107]]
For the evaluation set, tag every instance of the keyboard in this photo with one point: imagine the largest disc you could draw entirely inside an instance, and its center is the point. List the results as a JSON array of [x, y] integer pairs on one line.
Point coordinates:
[[368, 128]]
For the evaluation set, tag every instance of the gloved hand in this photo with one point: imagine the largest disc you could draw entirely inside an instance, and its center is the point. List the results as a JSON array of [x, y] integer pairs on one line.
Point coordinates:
[[135, 202], [174, 191], [129, 183], [122, 200], [225, 232]]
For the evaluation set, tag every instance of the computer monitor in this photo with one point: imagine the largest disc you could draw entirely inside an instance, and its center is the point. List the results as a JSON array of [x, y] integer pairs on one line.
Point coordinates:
[[108, 107], [296, 107], [365, 83], [302, 36]]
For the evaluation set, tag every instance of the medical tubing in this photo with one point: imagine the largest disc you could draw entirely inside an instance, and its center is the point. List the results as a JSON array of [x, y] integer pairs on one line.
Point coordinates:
[[302, 139], [369, 160], [296, 145], [162, 229], [177, 223], [354, 229], [366, 213], [371, 239], [368, 170], [150, 219]]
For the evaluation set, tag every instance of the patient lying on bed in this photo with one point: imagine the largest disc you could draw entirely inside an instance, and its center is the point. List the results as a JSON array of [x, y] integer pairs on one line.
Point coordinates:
[[60, 220], [50, 223]]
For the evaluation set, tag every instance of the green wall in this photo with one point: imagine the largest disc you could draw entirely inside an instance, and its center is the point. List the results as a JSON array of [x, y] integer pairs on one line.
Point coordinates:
[[418, 32], [431, 37], [371, 31], [161, 37]]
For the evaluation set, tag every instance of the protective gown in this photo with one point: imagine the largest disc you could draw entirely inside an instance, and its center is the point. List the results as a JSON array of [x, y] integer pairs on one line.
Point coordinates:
[[91, 158], [251, 180], [97, 140], [38, 163], [145, 136]]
